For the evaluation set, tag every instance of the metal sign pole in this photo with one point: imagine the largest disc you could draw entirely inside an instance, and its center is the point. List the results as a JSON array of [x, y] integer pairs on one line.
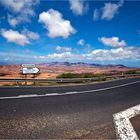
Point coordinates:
[[29, 69], [25, 81], [34, 78]]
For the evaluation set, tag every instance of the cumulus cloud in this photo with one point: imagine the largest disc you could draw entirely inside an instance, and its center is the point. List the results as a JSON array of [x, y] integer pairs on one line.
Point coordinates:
[[108, 11], [60, 56], [126, 53], [15, 37], [115, 54], [81, 42], [17, 5], [113, 42], [20, 10], [63, 49], [55, 24], [30, 34], [78, 7]]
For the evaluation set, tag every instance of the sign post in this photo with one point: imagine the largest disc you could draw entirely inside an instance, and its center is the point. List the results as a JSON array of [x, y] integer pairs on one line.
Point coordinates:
[[29, 69]]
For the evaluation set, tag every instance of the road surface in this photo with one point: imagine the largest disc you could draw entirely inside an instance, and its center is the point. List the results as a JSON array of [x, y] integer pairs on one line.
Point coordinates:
[[80, 112]]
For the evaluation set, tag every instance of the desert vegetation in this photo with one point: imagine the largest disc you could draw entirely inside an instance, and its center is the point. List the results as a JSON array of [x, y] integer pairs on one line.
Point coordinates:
[[79, 75]]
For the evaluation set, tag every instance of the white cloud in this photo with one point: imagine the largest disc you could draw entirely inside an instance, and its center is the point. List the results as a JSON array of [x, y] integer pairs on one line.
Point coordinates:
[[108, 11], [96, 14], [60, 56], [81, 42], [55, 24], [17, 5], [16, 20], [30, 34], [78, 7], [112, 55], [127, 53], [20, 10], [15, 37], [87, 47], [13, 21], [114, 42], [63, 49]]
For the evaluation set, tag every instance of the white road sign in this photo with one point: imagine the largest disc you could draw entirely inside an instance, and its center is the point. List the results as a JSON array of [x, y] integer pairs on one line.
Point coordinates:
[[28, 65], [30, 70]]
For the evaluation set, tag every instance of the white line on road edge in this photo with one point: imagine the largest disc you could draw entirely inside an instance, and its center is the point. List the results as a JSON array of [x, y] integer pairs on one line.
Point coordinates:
[[67, 93], [124, 128]]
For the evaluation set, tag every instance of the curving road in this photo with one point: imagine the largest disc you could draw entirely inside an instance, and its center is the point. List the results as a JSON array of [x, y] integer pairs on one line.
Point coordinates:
[[84, 111]]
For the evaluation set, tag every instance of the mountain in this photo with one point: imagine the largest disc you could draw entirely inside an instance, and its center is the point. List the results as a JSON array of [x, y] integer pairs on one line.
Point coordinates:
[[53, 69], [84, 64]]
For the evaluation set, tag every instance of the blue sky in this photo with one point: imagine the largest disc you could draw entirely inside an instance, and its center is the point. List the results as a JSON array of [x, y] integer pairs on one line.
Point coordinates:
[[39, 31]]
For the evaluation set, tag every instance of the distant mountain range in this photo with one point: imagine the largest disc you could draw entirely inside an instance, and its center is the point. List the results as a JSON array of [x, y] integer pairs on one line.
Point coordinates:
[[54, 69], [93, 65], [85, 64]]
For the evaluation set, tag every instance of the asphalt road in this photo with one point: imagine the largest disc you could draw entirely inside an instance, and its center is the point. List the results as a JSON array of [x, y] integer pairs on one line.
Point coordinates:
[[86, 115]]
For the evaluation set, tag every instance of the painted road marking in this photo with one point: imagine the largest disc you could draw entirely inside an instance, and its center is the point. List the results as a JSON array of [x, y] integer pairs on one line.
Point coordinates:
[[67, 93], [124, 128]]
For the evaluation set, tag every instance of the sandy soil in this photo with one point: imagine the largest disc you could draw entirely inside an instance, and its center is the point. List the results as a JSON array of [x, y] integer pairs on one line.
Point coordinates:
[[52, 71]]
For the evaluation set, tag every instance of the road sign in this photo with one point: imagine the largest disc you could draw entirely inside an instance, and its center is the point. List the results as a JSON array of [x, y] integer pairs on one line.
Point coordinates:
[[28, 65], [29, 70]]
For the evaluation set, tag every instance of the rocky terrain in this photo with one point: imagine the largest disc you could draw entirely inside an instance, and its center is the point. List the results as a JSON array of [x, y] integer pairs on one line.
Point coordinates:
[[52, 70]]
